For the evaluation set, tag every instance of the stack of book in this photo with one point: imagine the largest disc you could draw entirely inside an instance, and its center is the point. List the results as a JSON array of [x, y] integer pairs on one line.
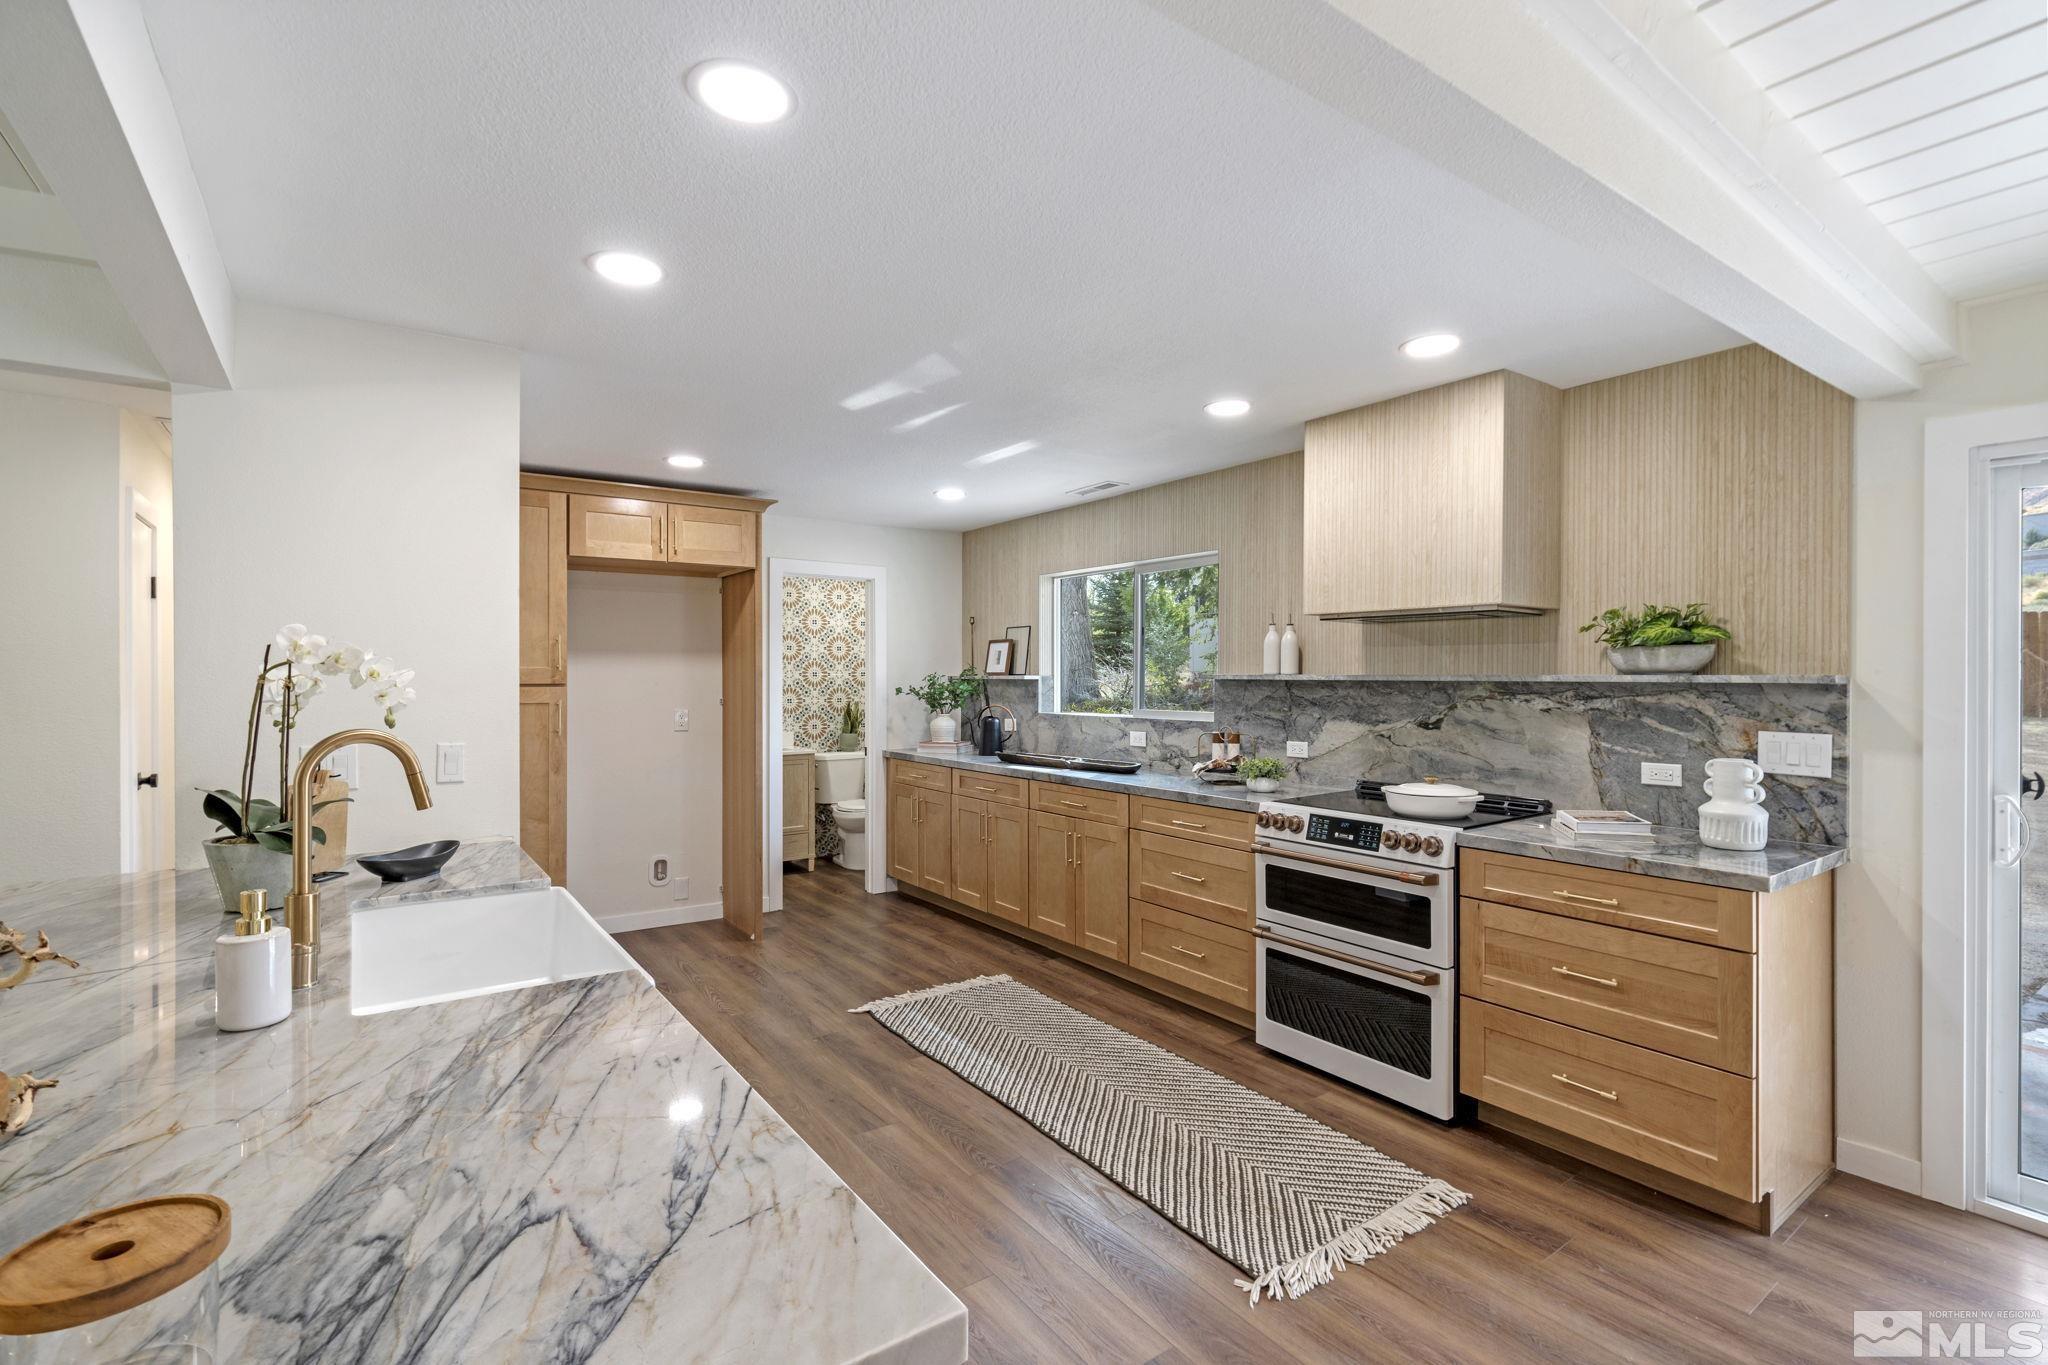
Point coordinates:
[[946, 748], [1601, 822]]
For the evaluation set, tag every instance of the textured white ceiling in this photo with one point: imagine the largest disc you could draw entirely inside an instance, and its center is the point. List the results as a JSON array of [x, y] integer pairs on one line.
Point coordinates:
[[1934, 111], [1067, 222]]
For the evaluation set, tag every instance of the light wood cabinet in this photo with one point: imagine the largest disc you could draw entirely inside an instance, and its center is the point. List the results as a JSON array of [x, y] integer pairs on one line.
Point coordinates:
[[544, 779], [1079, 883], [800, 809], [543, 587], [1182, 820], [1192, 877], [1083, 803], [991, 859], [712, 537], [1052, 878], [1008, 791], [631, 529], [1199, 954], [1718, 915], [1471, 472], [920, 835]]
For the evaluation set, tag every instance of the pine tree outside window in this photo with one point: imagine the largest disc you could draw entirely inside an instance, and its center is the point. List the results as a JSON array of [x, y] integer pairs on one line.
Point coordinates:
[[1138, 639]]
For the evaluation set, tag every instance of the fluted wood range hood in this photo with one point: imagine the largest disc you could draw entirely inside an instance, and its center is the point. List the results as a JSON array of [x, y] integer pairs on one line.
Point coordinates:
[[1435, 505]]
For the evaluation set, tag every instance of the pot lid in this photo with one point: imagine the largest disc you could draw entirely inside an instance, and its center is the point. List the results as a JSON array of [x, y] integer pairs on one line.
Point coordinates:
[[1431, 786]]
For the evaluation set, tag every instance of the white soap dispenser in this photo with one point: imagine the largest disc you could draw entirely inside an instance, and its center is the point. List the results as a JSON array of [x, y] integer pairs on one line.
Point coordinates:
[[252, 970]]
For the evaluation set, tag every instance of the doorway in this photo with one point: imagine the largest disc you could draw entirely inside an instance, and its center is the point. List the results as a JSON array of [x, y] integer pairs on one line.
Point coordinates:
[[145, 804], [868, 582]]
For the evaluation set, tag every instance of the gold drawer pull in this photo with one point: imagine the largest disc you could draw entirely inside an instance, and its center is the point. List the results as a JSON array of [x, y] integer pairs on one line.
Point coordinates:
[[1078, 805], [1189, 951], [1189, 877], [1188, 824], [1582, 976], [1590, 900], [1581, 1085]]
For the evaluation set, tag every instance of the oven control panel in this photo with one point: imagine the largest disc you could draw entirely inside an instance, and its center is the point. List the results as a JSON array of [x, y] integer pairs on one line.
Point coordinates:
[[1336, 829], [1418, 843]]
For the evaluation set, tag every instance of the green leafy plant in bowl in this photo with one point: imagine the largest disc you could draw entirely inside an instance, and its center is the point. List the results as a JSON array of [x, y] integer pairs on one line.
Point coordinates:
[[942, 695], [1658, 639], [1261, 774]]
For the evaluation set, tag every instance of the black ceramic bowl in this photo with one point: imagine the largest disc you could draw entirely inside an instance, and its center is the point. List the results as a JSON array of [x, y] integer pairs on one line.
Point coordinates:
[[410, 864]]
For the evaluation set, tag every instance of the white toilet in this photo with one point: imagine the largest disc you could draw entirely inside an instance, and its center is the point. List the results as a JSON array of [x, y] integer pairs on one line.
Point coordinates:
[[842, 783]]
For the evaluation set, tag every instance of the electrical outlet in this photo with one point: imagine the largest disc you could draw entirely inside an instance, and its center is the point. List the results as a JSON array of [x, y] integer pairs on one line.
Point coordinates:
[[1792, 754], [681, 889], [1297, 748], [449, 761], [682, 719], [1137, 739], [1663, 775], [657, 872]]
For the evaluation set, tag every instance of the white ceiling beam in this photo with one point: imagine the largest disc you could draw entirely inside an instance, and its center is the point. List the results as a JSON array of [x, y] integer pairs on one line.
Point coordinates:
[[34, 224], [80, 82], [61, 317], [1521, 102]]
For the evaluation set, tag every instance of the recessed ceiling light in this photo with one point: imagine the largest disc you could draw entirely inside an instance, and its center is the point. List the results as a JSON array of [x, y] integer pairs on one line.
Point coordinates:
[[623, 267], [1429, 346], [1228, 407], [742, 93], [682, 461], [949, 494]]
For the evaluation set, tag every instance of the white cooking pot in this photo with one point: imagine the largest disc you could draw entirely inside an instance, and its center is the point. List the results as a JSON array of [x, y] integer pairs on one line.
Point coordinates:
[[1431, 799]]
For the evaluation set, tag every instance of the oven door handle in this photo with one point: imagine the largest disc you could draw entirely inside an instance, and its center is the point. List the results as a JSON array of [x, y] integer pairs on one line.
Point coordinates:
[[1400, 973], [1411, 878]]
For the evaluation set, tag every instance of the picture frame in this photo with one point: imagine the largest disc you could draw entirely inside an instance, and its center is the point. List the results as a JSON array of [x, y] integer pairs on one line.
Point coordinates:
[[1020, 652], [997, 664]]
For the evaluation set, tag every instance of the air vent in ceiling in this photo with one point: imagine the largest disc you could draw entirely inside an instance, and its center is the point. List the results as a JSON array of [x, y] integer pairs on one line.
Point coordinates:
[[1090, 490]]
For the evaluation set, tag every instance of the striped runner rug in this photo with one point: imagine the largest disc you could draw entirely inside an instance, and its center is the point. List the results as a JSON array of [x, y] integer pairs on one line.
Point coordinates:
[[1283, 1198]]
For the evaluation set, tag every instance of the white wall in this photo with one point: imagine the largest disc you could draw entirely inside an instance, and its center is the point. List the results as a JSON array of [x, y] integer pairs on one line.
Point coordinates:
[[640, 647], [363, 480], [146, 468], [60, 523], [1877, 928], [922, 610]]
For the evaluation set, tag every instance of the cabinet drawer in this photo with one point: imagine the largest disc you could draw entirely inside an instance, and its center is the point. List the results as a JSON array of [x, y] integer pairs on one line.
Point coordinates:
[[1656, 905], [1686, 999], [1694, 1121], [925, 775], [1197, 953], [1200, 879], [1080, 802], [1231, 828], [1011, 791]]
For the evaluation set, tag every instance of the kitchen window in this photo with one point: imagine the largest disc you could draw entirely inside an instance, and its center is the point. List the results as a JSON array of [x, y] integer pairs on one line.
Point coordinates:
[[1137, 639]]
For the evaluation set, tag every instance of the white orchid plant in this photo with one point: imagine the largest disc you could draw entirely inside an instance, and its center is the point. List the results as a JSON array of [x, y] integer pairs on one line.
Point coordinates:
[[308, 664]]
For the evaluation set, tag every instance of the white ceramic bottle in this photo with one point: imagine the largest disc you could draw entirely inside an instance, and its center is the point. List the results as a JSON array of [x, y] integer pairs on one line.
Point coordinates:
[[1290, 651], [252, 970], [1272, 647], [1733, 816]]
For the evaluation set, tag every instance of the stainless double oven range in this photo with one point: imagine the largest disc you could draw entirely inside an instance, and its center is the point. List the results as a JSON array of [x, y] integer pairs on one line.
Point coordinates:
[[1357, 937]]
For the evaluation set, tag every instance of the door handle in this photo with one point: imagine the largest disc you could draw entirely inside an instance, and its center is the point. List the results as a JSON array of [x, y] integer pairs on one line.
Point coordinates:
[[1189, 951], [1563, 894], [2031, 786], [1189, 877], [149, 781], [1188, 824], [2016, 832]]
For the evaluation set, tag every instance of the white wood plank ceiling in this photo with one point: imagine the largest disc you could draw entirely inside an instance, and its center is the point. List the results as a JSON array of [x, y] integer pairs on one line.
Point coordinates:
[[1935, 111]]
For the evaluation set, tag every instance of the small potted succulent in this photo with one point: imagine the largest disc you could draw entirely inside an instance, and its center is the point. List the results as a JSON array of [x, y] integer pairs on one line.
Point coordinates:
[[942, 696], [1261, 774], [853, 723], [1658, 639]]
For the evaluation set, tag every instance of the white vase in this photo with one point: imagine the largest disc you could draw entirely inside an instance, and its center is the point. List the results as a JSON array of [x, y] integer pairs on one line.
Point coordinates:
[[1733, 816], [945, 727], [1290, 651], [1272, 652], [1262, 784]]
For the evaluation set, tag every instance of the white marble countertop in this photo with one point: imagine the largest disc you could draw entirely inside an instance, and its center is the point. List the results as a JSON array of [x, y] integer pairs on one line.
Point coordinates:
[[563, 1173], [1144, 782]]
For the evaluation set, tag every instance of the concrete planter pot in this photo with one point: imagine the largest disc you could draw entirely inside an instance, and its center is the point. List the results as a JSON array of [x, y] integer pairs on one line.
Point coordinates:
[[945, 727], [245, 867], [1661, 658]]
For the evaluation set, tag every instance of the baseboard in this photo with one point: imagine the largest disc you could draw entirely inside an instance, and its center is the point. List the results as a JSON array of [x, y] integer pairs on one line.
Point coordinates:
[[658, 918], [1875, 1163]]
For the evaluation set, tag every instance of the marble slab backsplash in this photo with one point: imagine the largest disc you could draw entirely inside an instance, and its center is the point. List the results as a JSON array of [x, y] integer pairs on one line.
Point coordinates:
[[1579, 743]]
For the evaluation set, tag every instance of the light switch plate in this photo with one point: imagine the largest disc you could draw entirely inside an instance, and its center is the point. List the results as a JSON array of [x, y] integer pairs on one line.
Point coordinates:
[[682, 719], [1297, 748], [1790, 753], [342, 763], [1663, 775], [1137, 739], [448, 762]]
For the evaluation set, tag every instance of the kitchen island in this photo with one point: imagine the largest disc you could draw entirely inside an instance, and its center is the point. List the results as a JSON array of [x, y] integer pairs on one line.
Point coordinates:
[[563, 1172]]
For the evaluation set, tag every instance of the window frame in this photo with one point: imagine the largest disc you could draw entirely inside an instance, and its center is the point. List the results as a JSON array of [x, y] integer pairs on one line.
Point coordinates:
[[1049, 629]]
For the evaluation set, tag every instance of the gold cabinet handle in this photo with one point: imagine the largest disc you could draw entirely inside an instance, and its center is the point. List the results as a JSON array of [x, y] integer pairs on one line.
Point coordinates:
[[1077, 805], [1562, 894], [1563, 1079], [558, 654], [985, 828], [1188, 824], [1070, 846], [660, 537], [1189, 951], [1583, 976], [1189, 877]]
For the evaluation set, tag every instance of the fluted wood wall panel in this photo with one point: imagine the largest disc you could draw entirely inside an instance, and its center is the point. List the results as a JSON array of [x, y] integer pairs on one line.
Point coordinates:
[[1724, 478]]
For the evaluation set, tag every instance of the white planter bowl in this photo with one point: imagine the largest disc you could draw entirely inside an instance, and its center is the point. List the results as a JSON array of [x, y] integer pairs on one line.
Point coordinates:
[[945, 728], [1262, 784], [1661, 658]]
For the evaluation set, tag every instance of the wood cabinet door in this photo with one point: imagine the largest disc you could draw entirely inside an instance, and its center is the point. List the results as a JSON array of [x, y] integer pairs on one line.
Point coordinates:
[[903, 840], [799, 808], [544, 779], [1009, 862], [712, 537], [1102, 889], [970, 852], [935, 842], [617, 528], [1052, 877], [543, 587]]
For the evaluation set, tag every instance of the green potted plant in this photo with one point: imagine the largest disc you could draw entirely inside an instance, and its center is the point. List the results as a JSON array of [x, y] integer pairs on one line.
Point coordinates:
[[1261, 774], [853, 721], [942, 695], [1658, 639]]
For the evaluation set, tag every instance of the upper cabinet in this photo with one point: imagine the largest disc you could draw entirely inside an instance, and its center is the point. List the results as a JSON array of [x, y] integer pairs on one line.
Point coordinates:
[[543, 587], [1439, 503], [712, 537], [632, 529], [643, 528]]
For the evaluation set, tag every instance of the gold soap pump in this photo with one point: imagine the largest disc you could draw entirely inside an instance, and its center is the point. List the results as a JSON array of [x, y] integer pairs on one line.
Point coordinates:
[[255, 916], [252, 969]]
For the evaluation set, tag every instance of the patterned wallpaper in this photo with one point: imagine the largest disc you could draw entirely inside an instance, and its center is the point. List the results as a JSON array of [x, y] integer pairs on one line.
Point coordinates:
[[824, 655]]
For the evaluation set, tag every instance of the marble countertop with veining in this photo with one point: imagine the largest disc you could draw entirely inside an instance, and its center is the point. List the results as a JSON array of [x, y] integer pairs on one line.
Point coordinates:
[[1144, 782], [1669, 851], [568, 1172]]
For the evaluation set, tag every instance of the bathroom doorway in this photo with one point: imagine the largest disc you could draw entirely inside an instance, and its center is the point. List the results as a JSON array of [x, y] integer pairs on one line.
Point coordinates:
[[824, 637]]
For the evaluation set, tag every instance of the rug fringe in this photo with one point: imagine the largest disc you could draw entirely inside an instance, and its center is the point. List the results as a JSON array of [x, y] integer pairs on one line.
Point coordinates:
[[1358, 1244], [926, 993]]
